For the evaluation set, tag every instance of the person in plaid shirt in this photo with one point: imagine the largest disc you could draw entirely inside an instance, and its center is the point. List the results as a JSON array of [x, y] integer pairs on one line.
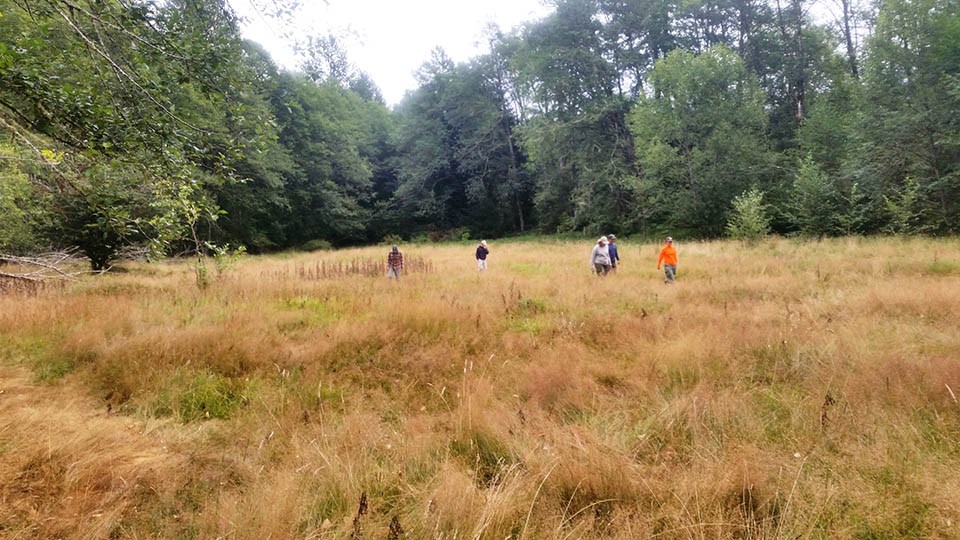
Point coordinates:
[[394, 263]]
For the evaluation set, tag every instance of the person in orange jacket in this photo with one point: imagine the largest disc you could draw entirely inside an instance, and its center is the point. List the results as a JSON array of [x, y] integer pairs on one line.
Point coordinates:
[[668, 257]]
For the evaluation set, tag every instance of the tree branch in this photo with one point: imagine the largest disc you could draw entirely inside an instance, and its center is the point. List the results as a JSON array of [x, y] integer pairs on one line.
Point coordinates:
[[121, 72], [40, 268]]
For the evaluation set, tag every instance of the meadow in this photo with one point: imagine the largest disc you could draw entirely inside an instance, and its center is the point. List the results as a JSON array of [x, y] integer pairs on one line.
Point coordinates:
[[783, 389]]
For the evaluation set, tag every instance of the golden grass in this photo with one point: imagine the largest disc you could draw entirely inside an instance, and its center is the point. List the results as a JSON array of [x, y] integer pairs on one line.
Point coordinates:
[[779, 390]]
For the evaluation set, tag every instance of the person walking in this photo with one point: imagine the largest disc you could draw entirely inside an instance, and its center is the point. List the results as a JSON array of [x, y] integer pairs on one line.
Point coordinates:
[[394, 263], [668, 258], [612, 248], [482, 252], [600, 257]]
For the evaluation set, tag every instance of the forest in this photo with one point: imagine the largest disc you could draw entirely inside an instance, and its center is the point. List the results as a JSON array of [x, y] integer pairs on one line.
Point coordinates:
[[152, 126]]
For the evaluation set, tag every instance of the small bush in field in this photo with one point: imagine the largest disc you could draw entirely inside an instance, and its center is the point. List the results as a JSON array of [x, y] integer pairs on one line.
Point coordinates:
[[749, 219], [392, 240], [316, 245]]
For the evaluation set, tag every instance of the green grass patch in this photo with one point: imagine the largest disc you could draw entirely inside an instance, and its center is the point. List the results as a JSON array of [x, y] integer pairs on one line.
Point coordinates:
[[320, 310], [330, 503], [678, 379], [312, 311], [486, 454], [36, 353], [53, 369], [529, 326], [902, 513], [190, 396], [776, 415], [778, 362], [942, 268], [23, 348], [530, 306], [419, 471], [525, 269]]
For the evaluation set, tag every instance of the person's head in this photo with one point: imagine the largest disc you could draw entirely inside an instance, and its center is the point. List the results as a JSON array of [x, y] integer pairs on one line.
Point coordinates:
[[602, 241], [483, 243], [670, 240], [612, 238], [395, 248]]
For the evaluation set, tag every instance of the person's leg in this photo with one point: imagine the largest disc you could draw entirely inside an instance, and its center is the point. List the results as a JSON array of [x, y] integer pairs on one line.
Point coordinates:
[[670, 272]]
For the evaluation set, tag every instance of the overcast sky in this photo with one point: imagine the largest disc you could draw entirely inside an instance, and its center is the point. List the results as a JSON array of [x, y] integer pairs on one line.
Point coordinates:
[[390, 39]]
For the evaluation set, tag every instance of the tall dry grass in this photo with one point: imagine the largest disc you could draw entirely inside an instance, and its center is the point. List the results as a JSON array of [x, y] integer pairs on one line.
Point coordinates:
[[779, 390]]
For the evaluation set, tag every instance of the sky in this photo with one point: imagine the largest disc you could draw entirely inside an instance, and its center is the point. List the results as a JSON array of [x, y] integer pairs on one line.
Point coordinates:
[[390, 39]]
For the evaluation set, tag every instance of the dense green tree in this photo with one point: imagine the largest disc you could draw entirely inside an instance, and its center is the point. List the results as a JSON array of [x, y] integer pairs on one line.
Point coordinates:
[[794, 62], [908, 160], [151, 122], [586, 177], [580, 150], [638, 34], [321, 126], [816, 206], [700, 138], [155, 90], [486, 153], [110, 211], [562, 65], [459, 163], [23, 211], [254, 202], [828, 133]]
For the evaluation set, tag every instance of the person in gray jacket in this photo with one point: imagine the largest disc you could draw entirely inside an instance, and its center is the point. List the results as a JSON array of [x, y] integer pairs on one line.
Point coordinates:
[[600, 257]]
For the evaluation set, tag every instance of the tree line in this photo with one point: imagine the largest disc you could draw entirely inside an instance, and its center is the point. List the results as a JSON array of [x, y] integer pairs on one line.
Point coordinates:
[[153, 125]]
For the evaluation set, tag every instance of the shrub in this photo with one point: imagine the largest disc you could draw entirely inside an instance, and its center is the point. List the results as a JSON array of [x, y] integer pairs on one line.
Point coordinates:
[[316, 245], [749, 220], [392, 239]]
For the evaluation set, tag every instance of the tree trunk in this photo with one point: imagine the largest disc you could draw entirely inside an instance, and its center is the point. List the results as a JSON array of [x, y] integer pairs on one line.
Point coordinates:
[[848, 38]]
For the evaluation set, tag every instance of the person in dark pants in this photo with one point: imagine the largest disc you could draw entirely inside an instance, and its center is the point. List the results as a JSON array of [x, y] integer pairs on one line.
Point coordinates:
[[612, 248], [600, 257]]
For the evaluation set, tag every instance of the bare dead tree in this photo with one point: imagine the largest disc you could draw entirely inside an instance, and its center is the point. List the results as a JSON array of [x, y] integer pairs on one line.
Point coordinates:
[[31, 273]]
